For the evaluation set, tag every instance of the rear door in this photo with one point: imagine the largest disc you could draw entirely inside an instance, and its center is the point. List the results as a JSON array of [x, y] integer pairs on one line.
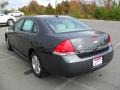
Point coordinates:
[[24, 36]]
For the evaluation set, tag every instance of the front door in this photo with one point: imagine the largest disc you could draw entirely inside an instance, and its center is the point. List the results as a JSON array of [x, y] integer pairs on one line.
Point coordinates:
[[17, 30]]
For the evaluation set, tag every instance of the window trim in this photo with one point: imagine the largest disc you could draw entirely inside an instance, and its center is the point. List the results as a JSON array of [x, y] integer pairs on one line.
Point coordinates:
[[21, 25], [34, 23], [33, 28], [24, 23]]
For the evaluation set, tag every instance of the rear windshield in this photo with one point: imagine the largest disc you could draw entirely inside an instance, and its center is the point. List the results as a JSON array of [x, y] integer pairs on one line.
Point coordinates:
[[61, 25]]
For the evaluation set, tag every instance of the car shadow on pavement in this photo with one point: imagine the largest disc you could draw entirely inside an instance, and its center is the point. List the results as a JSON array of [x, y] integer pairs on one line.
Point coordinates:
[[28, 72]]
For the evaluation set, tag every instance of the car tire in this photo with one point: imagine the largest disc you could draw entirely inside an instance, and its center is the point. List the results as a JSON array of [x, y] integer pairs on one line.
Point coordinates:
[[10, 22], [37, 67], [8, 45]]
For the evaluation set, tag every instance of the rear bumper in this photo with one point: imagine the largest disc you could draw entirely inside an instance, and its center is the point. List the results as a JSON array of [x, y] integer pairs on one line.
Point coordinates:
[[73, 65]]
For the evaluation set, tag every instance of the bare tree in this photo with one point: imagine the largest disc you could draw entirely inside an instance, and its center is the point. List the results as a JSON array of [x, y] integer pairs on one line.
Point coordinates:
[[3, 3], [106, 3], [82, 3]]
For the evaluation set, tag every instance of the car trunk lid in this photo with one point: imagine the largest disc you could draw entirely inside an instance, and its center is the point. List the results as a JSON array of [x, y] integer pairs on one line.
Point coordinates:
[[88, 42], [91, 43]]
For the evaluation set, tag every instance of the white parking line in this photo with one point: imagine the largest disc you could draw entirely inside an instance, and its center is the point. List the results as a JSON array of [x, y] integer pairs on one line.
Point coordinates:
[[85, 86], [76, 83], [64, 84]]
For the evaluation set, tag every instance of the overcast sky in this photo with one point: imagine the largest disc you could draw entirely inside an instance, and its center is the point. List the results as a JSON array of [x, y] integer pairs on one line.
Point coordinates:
[[20, 3]]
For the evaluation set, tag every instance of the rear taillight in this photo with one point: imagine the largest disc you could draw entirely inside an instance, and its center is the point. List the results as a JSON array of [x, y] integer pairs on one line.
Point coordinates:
[[64, 48], [109, 39]]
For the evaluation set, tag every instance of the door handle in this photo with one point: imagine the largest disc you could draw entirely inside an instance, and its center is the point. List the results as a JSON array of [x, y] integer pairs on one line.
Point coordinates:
[[19, 35], [25, 37]]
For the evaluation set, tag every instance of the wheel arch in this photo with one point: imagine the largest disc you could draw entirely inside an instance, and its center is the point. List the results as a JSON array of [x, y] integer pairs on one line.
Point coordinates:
[[31, 50], [10, 19]]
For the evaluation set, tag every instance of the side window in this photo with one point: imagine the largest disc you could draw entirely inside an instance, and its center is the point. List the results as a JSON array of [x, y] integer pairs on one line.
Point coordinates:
[[35, 29], [27, 27], [18, 25]]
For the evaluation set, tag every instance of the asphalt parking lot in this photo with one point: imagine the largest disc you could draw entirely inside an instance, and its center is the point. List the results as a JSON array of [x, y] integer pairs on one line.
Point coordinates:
[[16, 74]]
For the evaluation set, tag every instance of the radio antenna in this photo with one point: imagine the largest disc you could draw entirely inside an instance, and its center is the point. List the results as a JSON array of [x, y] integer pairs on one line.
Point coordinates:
[[56, 13]]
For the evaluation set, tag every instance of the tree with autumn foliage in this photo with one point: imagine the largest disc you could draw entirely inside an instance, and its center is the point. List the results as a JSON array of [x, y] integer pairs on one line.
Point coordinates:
[[74, 9], [110, 10], [62, 8], [49, 10], [32, 9], [107, 9]]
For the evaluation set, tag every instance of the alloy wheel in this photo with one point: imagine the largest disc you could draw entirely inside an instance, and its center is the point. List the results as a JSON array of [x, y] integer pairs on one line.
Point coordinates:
[[36, 64]]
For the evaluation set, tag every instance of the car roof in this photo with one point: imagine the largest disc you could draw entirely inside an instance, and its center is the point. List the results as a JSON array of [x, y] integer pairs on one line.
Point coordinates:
[[51, 16], [46, 16]]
